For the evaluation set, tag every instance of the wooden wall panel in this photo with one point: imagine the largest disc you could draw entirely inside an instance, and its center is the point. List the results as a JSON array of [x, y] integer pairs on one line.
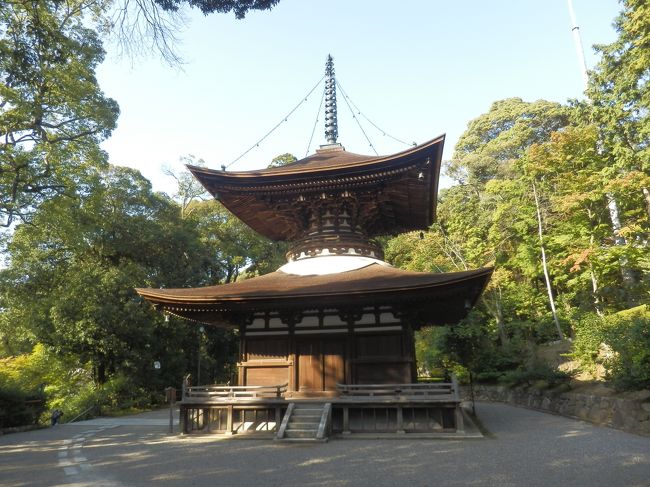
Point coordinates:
[[266, 348], [266, 376], [383, 373], [333, 363], [310, 365], [379, 345]]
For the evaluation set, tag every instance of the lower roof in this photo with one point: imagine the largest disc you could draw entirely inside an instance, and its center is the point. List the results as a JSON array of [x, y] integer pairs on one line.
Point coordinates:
[[446, 297]]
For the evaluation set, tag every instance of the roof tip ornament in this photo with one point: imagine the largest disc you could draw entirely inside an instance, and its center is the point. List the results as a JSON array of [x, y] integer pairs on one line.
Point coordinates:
[[331, 123]]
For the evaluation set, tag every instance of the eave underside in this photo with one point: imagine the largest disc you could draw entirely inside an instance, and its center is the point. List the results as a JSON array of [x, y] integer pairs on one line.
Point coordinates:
[[422, 299], [395, 193]]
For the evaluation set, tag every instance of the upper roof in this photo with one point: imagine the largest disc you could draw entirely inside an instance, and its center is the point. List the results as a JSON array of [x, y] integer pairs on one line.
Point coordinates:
[[399, 191]]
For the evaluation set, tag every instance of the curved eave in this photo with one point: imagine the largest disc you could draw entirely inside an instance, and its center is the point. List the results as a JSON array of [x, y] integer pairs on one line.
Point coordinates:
[[301, 171], [227, 310], [411, 204]]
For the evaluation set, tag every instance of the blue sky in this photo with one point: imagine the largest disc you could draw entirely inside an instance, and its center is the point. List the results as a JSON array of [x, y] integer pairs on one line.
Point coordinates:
[[417, 69]]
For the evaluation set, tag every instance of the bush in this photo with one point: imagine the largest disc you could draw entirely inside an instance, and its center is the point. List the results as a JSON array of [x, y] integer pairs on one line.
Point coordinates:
[[590, 334], [120, 392], [538, 374], [628, 335], [18, 408]]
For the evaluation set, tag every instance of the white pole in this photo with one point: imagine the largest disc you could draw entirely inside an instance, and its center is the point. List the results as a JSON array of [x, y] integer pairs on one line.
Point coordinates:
[[578, 42]]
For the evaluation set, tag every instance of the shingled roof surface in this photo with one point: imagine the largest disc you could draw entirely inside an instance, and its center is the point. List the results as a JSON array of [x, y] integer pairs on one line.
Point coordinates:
[[278, 285]]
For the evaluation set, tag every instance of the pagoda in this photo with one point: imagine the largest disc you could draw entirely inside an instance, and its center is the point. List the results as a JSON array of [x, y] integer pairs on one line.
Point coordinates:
[[336, 320]]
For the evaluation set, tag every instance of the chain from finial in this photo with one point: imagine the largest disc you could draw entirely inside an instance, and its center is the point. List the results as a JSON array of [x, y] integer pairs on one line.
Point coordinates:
[[331, 123]]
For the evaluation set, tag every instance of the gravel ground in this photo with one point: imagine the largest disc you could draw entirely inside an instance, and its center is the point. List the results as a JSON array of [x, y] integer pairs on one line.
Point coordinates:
[[525, 448]]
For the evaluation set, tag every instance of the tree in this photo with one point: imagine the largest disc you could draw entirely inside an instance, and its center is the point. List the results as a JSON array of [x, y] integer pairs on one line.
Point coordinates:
[[495, 209], [496, 139], [233, 249], [578, 181], [72, 272], [239, 7], [189, 189], [52, 113], [140, 24], [283, 160], [620, 93]]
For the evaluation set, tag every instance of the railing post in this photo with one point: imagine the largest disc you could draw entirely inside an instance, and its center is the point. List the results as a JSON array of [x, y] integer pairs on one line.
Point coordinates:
[[229, 420], [454, 386], [460, 422], [400, 420]]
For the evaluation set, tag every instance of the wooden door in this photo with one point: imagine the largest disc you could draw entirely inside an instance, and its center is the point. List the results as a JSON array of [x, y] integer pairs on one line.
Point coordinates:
[[310, 365], [321, 364], [333, 363]]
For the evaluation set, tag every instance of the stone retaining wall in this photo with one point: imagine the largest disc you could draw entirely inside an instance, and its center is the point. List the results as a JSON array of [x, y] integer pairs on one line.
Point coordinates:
[[629, 414]]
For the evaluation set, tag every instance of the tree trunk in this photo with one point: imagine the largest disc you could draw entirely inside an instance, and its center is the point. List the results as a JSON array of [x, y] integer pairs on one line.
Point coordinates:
[[614, 214], [594, 283], [544, 265]]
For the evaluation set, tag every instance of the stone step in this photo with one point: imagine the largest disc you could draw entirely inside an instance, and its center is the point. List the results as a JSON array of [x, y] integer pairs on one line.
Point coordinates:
[[302, 440], [307, 412], [303, 425], [300, 433], [308, 419]]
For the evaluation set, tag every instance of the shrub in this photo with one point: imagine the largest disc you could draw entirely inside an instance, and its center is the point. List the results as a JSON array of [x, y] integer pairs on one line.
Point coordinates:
[[18, 408], [628, 335], [590, 333], [538, 374]]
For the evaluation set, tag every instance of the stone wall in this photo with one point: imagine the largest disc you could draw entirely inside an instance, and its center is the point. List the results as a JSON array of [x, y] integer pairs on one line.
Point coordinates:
[[629, 412]]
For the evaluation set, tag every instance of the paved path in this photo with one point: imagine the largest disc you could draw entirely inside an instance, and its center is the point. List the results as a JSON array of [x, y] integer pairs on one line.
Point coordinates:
[[528, 448]]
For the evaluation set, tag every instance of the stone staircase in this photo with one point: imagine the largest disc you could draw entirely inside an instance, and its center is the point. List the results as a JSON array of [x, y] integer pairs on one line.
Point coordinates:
[[305, 422]]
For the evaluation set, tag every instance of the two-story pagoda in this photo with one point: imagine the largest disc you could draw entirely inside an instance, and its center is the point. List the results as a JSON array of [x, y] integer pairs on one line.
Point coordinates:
[[336, 315]]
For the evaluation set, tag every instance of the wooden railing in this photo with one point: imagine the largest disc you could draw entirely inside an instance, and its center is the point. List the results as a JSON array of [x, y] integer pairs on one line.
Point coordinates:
[[325, 424], [282, 428], [216, 393], [437, 390]]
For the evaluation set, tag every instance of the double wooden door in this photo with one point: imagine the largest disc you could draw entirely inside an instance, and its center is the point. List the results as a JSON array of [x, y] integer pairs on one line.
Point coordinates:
[[321, 364]]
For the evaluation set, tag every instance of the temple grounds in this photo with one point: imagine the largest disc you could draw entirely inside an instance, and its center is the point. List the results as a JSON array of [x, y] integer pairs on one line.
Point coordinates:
[[523, 448]]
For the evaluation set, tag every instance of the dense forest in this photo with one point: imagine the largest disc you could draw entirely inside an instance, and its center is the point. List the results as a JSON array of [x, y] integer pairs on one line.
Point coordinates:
[[555, 197]]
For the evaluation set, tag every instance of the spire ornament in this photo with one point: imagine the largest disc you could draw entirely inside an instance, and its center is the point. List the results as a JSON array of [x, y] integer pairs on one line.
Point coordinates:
[[331, 123]]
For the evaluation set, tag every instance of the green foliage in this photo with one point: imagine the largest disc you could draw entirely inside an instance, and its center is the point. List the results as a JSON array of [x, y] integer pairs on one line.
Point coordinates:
[[538, 375], [283, 160], [34, 383], [18, 408], [588, 341], [53, 114], [239, 7], [620, 343], [544, 177], [71, 278], [628, 335]]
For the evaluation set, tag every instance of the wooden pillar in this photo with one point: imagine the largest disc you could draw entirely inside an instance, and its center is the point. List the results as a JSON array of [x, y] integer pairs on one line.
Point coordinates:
[[400, 420], [229, 420], [410, 340], [460, 422], [293, 359], [346, 420], [350, 350], [241, 372], [183, 419], [278, 417]]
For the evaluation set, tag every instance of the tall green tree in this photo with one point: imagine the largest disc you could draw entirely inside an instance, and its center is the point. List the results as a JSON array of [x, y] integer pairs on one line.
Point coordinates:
[[620, 94], [53, 114], [72, 272], [496, 139]]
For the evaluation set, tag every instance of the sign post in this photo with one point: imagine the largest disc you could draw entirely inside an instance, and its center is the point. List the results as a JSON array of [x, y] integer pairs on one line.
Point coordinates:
[[170, 392]]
